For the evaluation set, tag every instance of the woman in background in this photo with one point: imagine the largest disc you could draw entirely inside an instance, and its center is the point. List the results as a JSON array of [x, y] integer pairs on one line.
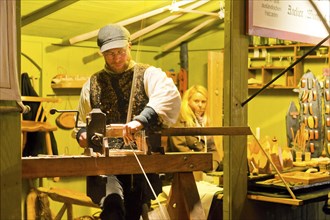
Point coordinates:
[[193, 114]]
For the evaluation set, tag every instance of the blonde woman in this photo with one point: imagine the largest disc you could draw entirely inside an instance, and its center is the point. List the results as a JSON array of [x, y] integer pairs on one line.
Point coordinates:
[[193, 114]]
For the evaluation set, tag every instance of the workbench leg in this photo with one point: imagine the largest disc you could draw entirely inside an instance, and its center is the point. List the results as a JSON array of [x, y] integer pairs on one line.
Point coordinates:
[[184, 202], [60, 213], [69, 211]]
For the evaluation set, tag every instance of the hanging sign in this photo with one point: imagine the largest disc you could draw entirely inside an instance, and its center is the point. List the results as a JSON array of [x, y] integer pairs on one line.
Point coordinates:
[[289, 20]]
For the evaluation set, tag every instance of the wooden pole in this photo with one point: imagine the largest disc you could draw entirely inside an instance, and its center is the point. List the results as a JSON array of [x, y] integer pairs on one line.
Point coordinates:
[[184, 56]]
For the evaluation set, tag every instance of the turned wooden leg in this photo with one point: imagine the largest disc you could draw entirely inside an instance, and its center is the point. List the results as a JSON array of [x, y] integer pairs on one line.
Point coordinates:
[[23, 141], [50, 150], [48, 144]]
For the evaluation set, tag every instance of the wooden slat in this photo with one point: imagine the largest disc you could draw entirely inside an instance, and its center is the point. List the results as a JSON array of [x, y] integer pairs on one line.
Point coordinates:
[[68, 196], [207, 131], [45, 11], [215, 94], [56, 166], [39, 99], [287, 201], [94, 33]]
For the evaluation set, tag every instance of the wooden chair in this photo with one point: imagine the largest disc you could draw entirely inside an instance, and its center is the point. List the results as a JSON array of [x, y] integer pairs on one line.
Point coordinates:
[[40, 123]]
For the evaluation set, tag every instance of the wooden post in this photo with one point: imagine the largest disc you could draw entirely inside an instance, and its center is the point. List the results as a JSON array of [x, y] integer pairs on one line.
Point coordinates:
[[235, 92], [183, 75], [215, 94], [184, 56]]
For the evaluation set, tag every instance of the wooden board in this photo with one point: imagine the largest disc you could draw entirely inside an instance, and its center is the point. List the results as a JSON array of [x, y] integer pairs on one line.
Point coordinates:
[[35, 167], [229, 130], [74, 84], [114, 152], [305, 178], [287, 201]]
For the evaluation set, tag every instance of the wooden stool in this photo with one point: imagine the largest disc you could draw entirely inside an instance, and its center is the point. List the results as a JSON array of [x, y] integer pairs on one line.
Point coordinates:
[[68, 198]]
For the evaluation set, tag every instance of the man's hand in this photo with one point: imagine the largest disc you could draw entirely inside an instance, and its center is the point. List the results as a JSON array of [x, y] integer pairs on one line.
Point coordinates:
[[83, 140], [130, 129]]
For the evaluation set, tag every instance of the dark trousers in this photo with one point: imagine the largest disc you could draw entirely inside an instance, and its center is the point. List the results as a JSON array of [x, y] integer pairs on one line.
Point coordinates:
[[136, 194]]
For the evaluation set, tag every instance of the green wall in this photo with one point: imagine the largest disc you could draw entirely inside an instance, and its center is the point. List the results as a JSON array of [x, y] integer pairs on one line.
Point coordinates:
[[268, 111]]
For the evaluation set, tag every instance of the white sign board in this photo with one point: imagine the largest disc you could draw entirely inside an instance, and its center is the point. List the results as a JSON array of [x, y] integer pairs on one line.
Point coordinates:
[[294, 20]]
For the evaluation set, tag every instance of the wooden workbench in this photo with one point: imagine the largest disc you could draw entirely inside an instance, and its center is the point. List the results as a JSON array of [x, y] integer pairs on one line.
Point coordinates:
[[183, 203]]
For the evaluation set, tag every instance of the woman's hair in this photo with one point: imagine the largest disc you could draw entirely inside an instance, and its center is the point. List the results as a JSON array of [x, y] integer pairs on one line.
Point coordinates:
[[186, 113]]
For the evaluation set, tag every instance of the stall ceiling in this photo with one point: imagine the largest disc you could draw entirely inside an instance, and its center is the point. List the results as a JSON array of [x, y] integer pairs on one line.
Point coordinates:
[[151, 23]]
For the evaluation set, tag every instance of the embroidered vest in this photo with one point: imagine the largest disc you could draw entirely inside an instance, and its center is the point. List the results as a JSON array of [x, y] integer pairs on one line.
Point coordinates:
[[111, 93]]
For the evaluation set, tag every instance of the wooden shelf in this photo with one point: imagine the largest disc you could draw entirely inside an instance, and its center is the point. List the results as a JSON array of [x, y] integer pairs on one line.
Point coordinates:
[[268, 68], [272, 87], [287, 201], [276, 46], [315, 57], [68, 85], [281, 57]]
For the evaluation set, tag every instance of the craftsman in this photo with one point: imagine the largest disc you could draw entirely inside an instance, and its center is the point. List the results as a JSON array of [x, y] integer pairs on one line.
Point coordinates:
[[156, 104]]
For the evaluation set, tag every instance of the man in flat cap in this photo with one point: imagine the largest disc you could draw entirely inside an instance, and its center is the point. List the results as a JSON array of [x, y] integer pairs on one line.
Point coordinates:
[[154, 104]]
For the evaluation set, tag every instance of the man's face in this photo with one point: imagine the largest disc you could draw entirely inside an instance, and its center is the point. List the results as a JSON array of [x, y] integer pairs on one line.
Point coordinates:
[[118, 59], [197, 103]]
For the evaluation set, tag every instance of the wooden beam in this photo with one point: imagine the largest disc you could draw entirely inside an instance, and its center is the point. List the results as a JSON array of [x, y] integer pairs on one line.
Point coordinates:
[[287, 201], [164, 21], [235, 90], [207, 131], [36, 167], [215, 94], [45, 11], [186, 35], [94, 33]]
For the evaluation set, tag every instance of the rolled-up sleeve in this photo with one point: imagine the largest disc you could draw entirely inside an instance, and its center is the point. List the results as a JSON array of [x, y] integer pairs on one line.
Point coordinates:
[[164, 96]]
